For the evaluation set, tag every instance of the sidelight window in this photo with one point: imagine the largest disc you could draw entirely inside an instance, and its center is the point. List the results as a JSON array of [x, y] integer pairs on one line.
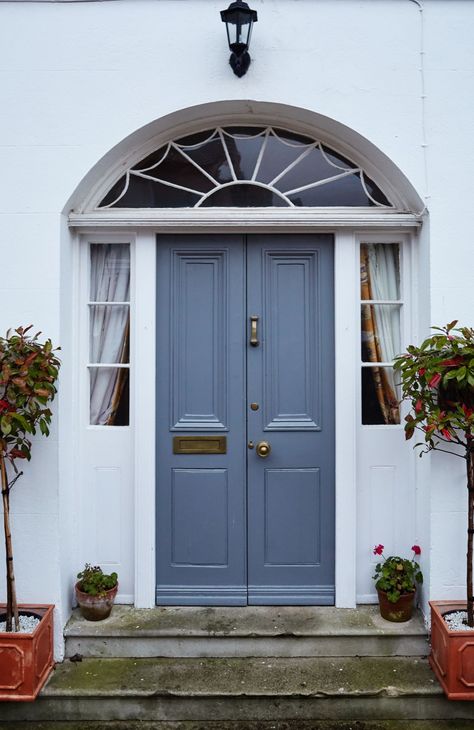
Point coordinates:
[[109, 334], [381, 307]]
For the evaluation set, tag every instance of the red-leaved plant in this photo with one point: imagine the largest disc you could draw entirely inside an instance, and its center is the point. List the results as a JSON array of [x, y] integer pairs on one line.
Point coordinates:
[[28, 372], [438, 379]]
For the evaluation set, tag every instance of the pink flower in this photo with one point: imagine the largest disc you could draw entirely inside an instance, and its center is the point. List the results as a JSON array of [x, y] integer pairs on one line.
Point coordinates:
[[378, 550], [416, 549]]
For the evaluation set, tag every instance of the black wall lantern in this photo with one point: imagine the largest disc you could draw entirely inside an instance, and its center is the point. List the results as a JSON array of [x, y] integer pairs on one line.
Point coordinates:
[[239, 19]]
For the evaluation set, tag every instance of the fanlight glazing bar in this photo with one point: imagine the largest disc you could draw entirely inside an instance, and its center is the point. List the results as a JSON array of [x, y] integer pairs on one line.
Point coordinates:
[[260, 154], [198, 167], [293, 164], [320, 182], [165, 182], [226, 151]]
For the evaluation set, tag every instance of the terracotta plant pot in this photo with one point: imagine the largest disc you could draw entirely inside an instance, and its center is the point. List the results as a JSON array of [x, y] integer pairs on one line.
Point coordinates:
[[26, 659], [398, 612], [96, 608], [452, 653]]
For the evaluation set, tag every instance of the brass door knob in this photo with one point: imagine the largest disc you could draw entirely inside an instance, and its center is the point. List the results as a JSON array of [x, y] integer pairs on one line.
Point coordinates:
[[263, 449]]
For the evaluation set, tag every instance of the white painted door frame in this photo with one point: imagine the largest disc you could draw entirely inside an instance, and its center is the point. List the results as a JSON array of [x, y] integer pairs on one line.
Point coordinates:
[[347, 377]]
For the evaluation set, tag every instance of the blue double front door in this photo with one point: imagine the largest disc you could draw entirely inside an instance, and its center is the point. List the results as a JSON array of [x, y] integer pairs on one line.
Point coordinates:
[[245, 420]]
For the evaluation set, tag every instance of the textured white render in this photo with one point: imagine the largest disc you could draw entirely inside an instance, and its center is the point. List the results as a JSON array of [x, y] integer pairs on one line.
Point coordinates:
[[78, 78]]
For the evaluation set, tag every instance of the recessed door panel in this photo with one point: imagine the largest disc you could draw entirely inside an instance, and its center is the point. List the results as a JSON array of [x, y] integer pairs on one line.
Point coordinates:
[[292, 517], [290, 356], [245, 420], [199, 335], [199, 498]]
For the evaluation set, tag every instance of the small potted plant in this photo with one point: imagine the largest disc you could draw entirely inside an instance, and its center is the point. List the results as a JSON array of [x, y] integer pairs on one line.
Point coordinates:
[[438, 380], [396, 581], [28, 373], [95, 592]]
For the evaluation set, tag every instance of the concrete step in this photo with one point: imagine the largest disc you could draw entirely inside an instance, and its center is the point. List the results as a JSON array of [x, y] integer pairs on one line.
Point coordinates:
[[262, 631], [241, 689]]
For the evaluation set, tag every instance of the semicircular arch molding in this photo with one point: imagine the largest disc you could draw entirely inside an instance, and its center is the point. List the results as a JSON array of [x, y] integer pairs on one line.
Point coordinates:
[[380, 178]]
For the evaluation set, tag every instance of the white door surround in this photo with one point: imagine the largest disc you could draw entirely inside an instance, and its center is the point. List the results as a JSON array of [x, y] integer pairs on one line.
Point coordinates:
[[347, 399], [141, 226]]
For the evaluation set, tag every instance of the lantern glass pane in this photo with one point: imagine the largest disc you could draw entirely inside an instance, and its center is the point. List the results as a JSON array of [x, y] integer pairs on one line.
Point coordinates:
[[239, 26]]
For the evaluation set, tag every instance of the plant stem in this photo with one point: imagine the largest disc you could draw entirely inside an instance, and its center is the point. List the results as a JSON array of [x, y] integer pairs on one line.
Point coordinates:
[[12, 606], [470, 530]]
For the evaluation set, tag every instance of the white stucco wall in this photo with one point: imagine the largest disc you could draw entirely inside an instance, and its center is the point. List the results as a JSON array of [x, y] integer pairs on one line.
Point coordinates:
[[77, 78]]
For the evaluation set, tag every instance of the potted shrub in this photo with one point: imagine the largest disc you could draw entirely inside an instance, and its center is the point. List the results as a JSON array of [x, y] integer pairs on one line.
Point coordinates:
[[438, 379], [28, 373], [95, 592], [396, 580]]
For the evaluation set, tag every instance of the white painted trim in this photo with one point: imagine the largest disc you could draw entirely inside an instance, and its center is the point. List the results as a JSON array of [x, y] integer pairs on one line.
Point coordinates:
[[68, 435], [346, 320], [367, 598], [124, 598], [82, 414], [162, 219], [347, 345], [143, 406], [380, 445]]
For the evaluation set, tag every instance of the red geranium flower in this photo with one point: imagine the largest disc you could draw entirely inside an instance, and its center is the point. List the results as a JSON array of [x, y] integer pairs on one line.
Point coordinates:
[[378, 550], [416, 549], [4, 405], [16, 454]]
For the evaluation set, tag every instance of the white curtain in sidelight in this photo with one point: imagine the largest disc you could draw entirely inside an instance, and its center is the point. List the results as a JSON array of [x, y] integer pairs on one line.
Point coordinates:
[[385, 284], [109, 327], [380, 285]]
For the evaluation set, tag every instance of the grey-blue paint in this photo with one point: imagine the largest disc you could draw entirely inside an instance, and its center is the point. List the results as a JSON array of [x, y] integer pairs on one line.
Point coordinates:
[[235, 528]]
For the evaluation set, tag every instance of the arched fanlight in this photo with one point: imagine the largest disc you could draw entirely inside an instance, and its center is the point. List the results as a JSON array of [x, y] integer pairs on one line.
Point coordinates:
[[239, 19]]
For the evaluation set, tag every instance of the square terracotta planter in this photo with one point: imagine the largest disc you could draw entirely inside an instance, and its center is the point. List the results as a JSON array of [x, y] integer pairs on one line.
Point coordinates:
[[452, 653], [26, 659]]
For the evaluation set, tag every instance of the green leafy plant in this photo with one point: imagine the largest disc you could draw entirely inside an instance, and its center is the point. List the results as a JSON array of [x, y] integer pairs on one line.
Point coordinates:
[[94, 581], [28, 372], [438, 379], [397, 576]]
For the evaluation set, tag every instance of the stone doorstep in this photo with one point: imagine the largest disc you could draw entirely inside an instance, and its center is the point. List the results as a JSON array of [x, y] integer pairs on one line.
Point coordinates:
[[241, 689], [239, 677], [261, 631]]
